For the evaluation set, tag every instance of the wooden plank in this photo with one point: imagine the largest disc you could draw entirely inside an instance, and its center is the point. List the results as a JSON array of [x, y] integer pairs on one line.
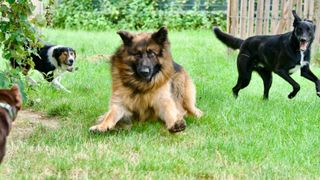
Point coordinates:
[[284, 15], [259, 17], [299, 7], [289, 17], [316, 43], [311, 8], [251, 18], [266, 17], [318, 22], [305, 8], [243, 18], [275, 15], [234, 17], [228, 16]]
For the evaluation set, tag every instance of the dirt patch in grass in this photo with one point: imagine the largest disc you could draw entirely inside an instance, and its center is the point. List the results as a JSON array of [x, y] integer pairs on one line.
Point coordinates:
[[98, 57], [27, 120]]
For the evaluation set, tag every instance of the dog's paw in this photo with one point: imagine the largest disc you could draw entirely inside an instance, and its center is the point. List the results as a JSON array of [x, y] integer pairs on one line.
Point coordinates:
[[178, 126], [67, 91], [98, 129], [292, 95], [198, 113]]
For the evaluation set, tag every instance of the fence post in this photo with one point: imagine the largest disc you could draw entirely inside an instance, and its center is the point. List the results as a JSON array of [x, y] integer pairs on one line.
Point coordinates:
[[243, 18], [259, 17], [234, 17], [275, 15], [266, 16], [251, 18]]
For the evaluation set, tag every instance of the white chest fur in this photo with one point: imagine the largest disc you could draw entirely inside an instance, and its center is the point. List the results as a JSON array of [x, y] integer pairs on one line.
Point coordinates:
[[299, 66]]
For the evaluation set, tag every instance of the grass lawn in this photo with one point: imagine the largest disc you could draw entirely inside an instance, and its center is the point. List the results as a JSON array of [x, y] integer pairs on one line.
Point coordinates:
[[243, 138]]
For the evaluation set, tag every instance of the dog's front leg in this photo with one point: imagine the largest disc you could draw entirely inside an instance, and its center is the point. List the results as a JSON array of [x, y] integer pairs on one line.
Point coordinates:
[[109, 120], [31, 81], [307, 73], [285, 75], [58, 85], [168, 112]]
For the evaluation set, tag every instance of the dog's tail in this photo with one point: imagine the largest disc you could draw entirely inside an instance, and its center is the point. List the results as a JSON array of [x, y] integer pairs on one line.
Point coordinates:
[[230, 41]]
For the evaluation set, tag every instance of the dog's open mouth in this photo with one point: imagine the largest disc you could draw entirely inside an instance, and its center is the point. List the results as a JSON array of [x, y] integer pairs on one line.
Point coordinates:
[[70, 68], [303, 45]]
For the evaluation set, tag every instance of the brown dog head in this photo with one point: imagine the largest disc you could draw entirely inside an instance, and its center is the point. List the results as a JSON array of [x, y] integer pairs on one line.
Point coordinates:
[[12, 97], [65, 57], [144, 59]]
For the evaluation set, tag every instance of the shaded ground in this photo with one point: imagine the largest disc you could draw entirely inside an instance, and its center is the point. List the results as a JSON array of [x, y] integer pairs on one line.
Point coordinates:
[[28, 120]]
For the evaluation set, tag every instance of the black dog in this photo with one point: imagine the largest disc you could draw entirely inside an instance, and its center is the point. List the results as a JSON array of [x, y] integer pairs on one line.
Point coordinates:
[[49, 59], [282, 54]]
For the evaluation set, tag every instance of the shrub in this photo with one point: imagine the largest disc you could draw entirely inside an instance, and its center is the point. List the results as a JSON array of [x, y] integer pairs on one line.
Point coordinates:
[[18, 38], [131, 14]]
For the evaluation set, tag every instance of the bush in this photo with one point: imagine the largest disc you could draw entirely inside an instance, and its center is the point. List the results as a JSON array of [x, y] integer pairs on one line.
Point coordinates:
[[18, 38], [131, 14]]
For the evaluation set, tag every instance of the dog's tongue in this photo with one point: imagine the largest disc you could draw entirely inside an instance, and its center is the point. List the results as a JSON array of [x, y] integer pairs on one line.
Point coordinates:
[[303, 45]]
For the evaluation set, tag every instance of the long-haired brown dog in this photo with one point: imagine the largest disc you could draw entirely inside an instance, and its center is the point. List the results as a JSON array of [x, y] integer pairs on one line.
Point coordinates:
[[148, 84], [10, 103]]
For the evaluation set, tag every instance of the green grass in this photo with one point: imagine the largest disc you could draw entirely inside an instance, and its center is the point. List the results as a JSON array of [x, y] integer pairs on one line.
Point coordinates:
[[247, 138]]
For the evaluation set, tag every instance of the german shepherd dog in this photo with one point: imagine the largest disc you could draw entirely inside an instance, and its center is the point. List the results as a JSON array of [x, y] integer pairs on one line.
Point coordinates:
[[282, 54], [148, 84], [10, 104]]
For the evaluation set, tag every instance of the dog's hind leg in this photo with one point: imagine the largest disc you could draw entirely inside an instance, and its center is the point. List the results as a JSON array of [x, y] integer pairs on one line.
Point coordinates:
[[296, 87], [245, 71], [306, 73], [266, 76]]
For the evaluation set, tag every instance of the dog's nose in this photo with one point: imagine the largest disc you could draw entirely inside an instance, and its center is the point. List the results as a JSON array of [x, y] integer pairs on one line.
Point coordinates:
[[144, 71], [71, 61]]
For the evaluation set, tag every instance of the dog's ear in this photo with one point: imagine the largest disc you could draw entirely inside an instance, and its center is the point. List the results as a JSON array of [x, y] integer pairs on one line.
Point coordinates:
[[297, 19], [17, 95], [57, 52], [160, 36], [126, 37]]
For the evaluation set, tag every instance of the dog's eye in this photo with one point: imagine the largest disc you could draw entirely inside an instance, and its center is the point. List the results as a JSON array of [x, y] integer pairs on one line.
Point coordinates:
[[151, 53], [299, 30], [309, 29], [136, 54]]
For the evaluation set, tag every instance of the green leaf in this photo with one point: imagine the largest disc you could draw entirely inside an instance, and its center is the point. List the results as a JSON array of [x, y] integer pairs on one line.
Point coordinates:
[[3, 8], [10, 1]]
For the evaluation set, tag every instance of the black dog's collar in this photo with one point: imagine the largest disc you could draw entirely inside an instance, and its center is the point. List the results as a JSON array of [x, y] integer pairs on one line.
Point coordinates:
[[11, 111]]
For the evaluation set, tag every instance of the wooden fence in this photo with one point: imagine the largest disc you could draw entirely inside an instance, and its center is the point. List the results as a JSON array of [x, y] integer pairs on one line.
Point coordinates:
[[255, 17]]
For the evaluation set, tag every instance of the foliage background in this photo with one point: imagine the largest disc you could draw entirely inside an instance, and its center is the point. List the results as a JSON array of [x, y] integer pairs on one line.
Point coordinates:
[[138, 14]]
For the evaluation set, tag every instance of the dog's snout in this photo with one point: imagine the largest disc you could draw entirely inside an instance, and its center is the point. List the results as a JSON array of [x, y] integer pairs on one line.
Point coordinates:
[[145, 71], [70, 61], [303, 39]]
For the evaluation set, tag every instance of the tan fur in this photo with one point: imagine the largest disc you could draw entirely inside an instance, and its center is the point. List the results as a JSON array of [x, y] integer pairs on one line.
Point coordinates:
[[168, 96], [63, 58]]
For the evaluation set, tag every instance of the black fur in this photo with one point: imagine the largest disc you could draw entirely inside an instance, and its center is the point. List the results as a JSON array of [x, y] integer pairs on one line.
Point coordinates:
[[275, 53]]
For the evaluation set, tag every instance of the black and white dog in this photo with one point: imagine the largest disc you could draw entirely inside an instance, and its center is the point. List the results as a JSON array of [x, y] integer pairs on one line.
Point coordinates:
[[282, 54], [49, 60]]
